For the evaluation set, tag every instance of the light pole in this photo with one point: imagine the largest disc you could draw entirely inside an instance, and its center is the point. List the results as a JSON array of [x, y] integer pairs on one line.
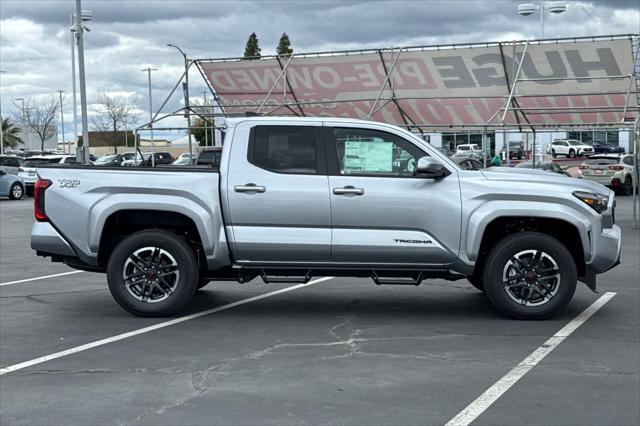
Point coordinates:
[[1, 121], [22, 126], [87, 15], [153, 150], [557, 7], [186, 96], [60, 92], [79, 31], [206, 133]]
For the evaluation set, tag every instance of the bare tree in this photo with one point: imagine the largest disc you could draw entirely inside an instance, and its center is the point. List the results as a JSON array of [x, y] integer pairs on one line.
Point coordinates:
[[39, 115], [114, 113]]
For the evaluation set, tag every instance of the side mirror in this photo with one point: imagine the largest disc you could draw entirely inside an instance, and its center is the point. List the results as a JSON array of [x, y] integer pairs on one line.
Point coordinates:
[[430, 168], [2, 172]]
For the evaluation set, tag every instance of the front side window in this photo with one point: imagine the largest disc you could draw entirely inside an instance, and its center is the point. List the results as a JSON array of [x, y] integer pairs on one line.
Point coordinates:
[[374, 153], [285, 149]]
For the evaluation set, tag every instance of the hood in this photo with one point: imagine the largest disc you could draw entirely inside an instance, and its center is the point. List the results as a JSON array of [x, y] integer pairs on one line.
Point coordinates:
[[524, 176]]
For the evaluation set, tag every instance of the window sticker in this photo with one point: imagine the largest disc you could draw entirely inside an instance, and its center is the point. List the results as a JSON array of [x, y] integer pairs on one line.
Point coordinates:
[[368, 157]]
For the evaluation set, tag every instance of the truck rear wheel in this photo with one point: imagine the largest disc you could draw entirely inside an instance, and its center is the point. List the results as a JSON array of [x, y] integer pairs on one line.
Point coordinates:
[[152, 273], [530, 275]]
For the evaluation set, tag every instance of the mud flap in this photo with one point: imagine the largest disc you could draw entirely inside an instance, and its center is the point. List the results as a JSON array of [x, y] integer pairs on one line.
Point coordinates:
[[589, 278]]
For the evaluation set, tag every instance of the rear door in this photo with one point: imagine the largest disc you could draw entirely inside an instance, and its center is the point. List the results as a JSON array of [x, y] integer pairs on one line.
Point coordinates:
[[277, 193], [381, 213]]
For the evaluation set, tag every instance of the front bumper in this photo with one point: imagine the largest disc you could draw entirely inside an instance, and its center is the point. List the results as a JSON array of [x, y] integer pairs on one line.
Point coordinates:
[[47, 241]]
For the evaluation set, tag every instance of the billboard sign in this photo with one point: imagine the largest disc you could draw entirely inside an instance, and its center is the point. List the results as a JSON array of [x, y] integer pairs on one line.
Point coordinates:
[[462, 86]]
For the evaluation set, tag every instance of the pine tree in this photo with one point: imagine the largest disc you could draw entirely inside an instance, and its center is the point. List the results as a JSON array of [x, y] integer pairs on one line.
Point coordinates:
[[284, 46], [252, 49]]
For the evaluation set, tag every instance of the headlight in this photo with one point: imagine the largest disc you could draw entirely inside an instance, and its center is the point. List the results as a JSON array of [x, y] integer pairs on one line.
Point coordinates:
[[597, 202]]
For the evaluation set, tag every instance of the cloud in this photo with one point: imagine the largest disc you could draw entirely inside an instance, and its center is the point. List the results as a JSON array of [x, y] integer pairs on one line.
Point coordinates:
[[127, 36]]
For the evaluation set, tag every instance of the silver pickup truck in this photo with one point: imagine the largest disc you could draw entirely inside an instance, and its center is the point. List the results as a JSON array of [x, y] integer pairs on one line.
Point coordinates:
[[300, 197]]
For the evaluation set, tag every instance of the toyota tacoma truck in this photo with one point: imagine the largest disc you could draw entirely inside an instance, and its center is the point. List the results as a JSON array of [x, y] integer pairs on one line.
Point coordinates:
[[295, 198]]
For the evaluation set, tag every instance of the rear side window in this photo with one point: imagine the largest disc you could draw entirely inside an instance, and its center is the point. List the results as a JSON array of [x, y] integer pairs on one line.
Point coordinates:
[[628, 161], [284, 149]]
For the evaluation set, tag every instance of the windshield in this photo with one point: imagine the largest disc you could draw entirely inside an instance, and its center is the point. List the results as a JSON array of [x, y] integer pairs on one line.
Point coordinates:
[[105, 159], [574, 143], [40, 162], [464, 147], [601, 161]]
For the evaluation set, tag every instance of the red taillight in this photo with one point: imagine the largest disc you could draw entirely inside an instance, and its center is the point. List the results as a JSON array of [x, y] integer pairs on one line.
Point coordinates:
[[583, 167], [38, 199], [616, 167]]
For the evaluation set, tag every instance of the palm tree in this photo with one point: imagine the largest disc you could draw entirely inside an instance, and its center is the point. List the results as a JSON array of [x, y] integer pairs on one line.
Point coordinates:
[[10, 134]]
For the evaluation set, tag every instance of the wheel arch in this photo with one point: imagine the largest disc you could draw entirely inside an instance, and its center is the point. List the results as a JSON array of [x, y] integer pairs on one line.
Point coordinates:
[[566, 232]]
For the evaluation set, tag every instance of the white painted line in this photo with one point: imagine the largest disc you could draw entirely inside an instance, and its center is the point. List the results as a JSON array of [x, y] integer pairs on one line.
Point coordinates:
[[491, 395], [40, 278], [158, 326]]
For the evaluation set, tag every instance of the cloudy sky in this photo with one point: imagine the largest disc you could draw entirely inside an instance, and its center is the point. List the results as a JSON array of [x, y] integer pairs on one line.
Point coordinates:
[[128, 35]]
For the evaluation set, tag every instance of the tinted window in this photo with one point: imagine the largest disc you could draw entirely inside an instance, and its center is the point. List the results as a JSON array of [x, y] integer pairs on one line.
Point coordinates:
[[284, 149], [628, 161], [209, 157], [601, 161], [370, 152], [32, 162]]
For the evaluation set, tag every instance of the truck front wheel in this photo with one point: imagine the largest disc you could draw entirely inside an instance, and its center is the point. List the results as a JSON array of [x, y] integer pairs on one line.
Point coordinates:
[[152, 273], [530, 275]]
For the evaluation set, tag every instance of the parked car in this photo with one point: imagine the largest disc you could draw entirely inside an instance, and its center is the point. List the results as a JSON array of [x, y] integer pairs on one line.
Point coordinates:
[[11, 186], [475, 156], [10, 163], [570, 148], [615, 171], [516, 150], [549, 166], [160, 158], [600, 148], [471, 148], [304, 197], [469, 163], [183, 161], [210, 156], [27, 170], [114, 160]]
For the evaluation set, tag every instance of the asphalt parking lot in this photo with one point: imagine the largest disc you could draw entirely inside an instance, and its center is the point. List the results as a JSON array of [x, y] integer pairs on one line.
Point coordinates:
[[340, 351]]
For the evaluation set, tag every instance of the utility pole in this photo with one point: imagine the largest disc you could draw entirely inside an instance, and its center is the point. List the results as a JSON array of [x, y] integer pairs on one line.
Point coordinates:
[[83, 88], [60, 92], [206, 132], [1, 121], [73, 80], [153, 149]]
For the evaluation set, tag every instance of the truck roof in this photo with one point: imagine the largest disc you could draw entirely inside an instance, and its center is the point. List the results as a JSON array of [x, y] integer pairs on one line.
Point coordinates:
[[232, 122]]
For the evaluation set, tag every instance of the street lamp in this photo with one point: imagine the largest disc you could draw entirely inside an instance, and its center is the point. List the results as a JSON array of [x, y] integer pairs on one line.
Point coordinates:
[[86, 15], [557, 7], [1, 121], [186, 95], [79, 33], [60, 92], [153, 148]]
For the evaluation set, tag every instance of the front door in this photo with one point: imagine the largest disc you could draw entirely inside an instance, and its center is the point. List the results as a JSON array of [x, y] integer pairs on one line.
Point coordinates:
[[278, 197], [381, 212]]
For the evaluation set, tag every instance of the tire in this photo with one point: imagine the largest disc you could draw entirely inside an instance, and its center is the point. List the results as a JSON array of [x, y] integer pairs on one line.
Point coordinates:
[[572, 153], [627, 186], [524, 300], [16, 191], [476, 282], [152, 254]]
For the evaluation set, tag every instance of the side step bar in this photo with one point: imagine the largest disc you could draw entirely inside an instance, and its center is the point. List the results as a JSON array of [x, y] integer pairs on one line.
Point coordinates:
[[285, 279], [396, 280]]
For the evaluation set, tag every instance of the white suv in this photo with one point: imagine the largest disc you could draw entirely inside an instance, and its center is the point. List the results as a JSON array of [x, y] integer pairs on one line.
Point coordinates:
[[27, 170], [569, 148], [613, 170], [469, 148]]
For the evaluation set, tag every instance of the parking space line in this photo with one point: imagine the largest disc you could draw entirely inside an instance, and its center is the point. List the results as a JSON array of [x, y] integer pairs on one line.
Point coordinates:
[[40, 278], [491, 395], [154, 327]]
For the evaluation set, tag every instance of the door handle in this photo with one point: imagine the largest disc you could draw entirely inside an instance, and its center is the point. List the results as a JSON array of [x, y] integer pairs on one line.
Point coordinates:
[[249, 187], [348, 190]]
